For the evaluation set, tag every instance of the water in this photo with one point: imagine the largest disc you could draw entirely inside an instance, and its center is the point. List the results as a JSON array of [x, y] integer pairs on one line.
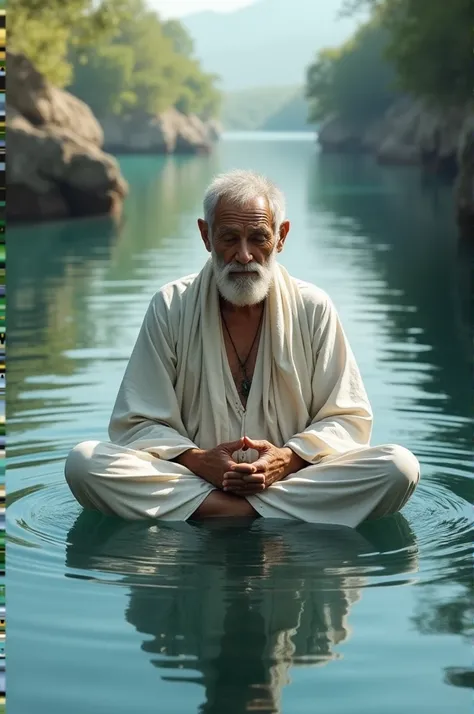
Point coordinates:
[[105, 616]]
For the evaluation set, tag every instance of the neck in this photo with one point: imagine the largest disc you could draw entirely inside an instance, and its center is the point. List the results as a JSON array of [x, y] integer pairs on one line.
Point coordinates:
[[245, 312]]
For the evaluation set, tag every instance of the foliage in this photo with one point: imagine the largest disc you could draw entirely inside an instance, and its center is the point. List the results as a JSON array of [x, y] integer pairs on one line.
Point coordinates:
[[182, 42], [103, 77], [116, 55], [419, 47], [43, 29], [140, 67], [354, 81], [430, 45]]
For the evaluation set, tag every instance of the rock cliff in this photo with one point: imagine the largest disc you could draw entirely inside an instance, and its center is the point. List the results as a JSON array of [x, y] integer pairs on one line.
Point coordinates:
[[414, 133], [57, 162], [56, 167], [166, 133]]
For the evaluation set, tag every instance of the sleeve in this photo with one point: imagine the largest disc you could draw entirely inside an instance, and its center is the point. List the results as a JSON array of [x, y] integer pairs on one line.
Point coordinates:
[[342, 416], [146, 415]]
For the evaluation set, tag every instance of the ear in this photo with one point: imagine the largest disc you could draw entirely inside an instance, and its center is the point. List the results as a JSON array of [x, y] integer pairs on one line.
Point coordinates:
[[284, 230], [204, 231]]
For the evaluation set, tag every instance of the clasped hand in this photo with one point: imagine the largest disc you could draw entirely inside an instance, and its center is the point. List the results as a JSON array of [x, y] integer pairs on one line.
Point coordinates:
[[249, 479], [218, 467]]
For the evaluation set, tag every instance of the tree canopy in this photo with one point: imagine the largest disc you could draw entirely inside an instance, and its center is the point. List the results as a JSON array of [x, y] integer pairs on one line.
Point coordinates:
[[407, 46], [116, 55], [43, 30], [355, 80], [431, 46]]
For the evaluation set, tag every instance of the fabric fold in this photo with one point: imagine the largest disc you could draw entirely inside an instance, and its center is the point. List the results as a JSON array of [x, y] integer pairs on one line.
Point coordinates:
[[307, 392]]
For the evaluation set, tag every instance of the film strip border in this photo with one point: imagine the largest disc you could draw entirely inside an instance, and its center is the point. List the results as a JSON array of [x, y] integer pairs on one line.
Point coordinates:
[[2, 349]]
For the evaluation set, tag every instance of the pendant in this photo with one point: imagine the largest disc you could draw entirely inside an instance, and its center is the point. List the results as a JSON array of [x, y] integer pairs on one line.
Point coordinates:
[[245, 387]]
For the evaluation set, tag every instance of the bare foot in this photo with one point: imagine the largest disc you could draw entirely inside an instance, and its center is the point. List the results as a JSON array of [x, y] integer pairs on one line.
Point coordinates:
[[219, 504]]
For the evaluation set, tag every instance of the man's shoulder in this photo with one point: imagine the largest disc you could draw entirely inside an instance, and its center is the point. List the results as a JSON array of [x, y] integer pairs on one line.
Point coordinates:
[[313, 297], [173, 291]]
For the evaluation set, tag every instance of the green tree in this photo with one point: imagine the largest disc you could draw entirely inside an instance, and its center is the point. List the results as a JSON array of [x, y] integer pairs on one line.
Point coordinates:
[[182, 41], [139, 67], [116, 55], [44, 29], [432, 47], [354, 81], [430, 44], [104, 76]]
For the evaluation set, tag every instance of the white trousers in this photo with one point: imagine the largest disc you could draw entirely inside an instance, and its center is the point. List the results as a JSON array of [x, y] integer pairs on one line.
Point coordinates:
[[345, 489]]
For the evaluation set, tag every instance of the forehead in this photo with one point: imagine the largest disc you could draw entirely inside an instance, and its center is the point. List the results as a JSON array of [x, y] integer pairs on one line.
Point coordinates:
[[256, 211]]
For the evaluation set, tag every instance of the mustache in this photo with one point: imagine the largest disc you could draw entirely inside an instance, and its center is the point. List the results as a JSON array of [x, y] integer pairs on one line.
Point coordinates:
[[237, 268]]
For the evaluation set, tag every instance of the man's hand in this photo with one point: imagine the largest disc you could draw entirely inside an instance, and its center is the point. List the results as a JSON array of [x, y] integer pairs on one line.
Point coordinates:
[[212, 464], [273, 464]]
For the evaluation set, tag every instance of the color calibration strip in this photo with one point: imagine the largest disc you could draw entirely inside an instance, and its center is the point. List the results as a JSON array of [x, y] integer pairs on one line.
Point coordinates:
[[2, 354]]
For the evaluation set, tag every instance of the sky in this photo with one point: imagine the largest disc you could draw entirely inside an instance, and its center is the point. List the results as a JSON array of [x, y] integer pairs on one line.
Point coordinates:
[[178, 8]]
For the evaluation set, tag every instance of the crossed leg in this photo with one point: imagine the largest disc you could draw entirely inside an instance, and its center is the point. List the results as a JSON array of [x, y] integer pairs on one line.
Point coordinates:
[[345, 489], [135, 484]]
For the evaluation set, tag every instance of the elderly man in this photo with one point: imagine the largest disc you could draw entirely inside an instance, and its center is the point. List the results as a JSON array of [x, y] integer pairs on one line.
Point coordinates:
[[242, 396]]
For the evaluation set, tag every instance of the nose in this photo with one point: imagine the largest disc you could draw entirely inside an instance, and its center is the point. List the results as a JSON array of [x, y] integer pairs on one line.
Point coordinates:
[[243, 255]]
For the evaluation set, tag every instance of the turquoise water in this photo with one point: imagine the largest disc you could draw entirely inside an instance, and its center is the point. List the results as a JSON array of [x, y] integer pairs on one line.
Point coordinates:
[[105, 616]]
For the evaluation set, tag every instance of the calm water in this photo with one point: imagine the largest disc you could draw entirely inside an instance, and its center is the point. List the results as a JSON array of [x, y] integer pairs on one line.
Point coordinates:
[[109, 617]]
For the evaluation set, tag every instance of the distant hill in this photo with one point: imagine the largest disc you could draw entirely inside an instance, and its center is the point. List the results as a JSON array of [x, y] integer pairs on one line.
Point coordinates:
[[291, 116], [265, 108], [267, 44]]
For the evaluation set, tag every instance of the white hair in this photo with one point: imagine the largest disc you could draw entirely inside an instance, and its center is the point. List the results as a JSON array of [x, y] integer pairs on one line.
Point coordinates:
[[240, 187]]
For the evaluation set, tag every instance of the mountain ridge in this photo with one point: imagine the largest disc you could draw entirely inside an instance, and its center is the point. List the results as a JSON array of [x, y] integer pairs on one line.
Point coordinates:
[[268, 43]]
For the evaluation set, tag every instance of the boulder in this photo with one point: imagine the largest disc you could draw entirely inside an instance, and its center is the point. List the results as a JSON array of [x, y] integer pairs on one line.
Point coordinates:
[[411, 131], [417, 132], [56, 168], [166, 133]]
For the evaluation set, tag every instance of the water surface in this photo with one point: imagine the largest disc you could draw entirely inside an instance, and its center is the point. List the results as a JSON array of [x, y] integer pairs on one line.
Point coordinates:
[[105, 616]]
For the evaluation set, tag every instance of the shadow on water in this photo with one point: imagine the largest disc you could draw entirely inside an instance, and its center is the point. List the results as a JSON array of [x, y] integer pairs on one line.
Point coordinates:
[[233, 606]]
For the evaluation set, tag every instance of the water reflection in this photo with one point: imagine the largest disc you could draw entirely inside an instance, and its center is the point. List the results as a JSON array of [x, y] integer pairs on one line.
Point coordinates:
[[63, 282], [408, 238], [225, 603], [49, 279], [409, 242], [233, 606]]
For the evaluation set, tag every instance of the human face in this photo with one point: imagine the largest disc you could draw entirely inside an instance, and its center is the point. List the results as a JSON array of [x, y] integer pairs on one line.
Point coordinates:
[[243, 247]]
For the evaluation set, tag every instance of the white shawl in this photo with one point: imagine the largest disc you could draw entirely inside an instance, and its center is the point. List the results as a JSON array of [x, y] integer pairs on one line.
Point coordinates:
[[173, 394]]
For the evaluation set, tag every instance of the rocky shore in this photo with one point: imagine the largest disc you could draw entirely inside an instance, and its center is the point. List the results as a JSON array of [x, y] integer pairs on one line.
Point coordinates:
[[168, 133], [59, 162], [56, 166], [412, 132]]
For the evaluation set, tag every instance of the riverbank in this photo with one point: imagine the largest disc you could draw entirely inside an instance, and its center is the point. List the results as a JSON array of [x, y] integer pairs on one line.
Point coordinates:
[[412, 132], [60, 155], [167, 133]]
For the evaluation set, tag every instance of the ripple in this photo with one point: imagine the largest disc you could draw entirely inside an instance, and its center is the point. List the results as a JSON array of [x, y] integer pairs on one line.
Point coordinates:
[[429, 542], [444, 529]]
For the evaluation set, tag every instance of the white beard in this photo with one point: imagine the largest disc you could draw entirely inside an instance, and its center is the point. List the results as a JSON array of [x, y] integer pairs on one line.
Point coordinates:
[[242, 290]]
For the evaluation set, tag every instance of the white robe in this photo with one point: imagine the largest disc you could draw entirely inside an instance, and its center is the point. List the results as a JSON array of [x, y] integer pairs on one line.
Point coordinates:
[[178, 393]]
